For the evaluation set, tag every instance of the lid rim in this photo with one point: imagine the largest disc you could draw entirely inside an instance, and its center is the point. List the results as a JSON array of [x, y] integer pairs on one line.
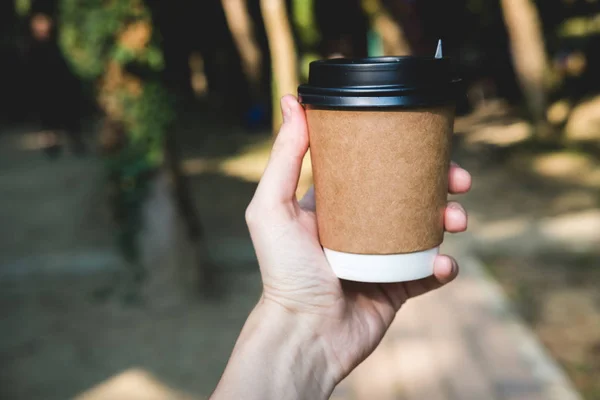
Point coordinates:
[[380, 82], [376, 89], [383, 60], [369, 102]]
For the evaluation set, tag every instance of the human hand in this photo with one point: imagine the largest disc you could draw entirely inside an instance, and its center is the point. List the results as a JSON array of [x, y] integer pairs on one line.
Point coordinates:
[[329, 325], [351, 317]]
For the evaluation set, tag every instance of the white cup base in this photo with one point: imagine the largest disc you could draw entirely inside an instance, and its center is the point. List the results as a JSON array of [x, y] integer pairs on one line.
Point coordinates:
[[382, 268]]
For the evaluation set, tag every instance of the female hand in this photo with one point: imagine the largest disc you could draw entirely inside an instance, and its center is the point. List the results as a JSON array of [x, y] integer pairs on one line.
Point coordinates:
[[335, 324]]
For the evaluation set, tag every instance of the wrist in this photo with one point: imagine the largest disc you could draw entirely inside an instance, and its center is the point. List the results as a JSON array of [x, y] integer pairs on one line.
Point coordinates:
[[277, 356], [300, 339]]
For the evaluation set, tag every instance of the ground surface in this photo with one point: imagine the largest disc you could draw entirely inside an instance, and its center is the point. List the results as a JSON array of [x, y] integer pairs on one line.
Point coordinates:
[[63, 334], [535, 223]]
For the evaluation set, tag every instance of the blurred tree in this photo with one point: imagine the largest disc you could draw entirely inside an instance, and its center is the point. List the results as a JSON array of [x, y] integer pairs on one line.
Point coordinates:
[[114, 44], [528, 53], [242, 30], [284, 64], [11, 98], [174, 20], [305, 26], [410, 19], [105, 41], [22, 7], [303, 13], [394, 41]]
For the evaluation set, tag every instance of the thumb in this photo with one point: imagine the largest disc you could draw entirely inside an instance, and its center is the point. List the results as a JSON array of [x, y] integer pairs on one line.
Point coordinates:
[[279, 181]]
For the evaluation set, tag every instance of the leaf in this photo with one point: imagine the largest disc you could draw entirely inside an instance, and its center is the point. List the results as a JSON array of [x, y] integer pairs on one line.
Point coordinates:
[[122, 55]]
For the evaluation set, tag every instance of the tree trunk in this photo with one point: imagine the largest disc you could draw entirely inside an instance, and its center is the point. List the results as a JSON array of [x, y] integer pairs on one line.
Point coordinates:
[[305, 26], [284, 68], [137, 142], [206, 271], [406, 14], [389, 30], [242, 30], [528, 53]]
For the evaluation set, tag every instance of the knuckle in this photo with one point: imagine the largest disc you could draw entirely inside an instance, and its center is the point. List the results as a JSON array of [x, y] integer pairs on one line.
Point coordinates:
[[259, 212], [251, 214]]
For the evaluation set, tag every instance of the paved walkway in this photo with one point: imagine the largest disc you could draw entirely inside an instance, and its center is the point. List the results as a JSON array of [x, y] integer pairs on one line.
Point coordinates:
[[460, 343]]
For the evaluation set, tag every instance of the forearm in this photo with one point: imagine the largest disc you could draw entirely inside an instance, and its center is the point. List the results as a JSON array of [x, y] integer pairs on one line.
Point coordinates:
[[276, 358]]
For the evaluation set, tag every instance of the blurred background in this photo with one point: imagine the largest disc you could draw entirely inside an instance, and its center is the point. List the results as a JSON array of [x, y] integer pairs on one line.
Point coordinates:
[[133, 133]]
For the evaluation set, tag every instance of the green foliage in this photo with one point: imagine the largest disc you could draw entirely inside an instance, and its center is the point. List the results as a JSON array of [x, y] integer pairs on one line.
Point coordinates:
[[132, 168], [374, 43], [122, 55], [150, 115], [577, 27], [154, 58], [96, 34], [303, 15], [304, 20], [22, 7], [88, 33], [85, 34]]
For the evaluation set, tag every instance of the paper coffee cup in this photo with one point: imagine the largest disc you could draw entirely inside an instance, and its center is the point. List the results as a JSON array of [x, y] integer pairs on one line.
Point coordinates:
[[380, 137]]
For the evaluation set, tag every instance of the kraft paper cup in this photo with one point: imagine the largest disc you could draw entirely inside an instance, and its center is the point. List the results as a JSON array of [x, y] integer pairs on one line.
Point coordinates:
[[380, 137]]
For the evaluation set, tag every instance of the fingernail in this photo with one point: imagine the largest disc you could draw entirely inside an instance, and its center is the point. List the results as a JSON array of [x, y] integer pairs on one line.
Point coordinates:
[[455, 206]]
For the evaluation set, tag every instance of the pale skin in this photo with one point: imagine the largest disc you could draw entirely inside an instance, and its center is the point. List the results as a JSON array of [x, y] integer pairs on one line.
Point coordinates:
[[309, 329]]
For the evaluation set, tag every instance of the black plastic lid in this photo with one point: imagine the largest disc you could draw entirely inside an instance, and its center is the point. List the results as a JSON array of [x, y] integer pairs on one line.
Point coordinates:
[[380, 82]]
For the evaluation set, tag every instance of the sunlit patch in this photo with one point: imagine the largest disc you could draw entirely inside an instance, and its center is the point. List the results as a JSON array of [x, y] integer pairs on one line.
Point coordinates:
[[198, 79], [33, 141], [417, 365], [246, 166], [558, 112], [580, 26], [578, 230], [376, 377], [562, 165], [133, 384], [198, 166], [592, 180], [578, 307], [501, 135], [249, 165], [576, 63], [573, 200], [584, 121], [505, 229]]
